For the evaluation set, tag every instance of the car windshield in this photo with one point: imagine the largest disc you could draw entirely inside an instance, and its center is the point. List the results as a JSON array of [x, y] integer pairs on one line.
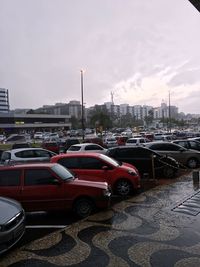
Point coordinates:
[[62, 172], [110, 160]]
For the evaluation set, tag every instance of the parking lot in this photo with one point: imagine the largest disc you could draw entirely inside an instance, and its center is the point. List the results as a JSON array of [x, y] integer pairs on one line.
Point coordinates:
[[158, 227]]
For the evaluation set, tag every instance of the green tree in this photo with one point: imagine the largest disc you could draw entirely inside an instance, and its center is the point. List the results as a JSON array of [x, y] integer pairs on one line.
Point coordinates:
[[100, 118]]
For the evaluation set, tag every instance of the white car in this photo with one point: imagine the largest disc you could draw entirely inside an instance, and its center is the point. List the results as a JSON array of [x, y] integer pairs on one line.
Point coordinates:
[[25, 155], [111, 142], [38, 135], [86, 147], [136, 141]]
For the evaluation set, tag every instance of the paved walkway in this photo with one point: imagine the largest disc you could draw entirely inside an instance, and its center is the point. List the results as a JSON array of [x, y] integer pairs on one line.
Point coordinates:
[[159, 227]]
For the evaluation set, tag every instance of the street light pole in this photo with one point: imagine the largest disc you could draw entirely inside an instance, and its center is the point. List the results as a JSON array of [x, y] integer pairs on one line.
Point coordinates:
[[169, 113], [82, 109]]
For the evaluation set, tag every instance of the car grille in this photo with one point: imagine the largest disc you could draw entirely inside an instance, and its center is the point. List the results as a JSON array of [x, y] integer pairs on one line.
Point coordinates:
[[14, 221]]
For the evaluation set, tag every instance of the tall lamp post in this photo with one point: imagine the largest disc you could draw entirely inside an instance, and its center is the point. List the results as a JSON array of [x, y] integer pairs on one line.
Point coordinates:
[[82, 109], [169, 113]]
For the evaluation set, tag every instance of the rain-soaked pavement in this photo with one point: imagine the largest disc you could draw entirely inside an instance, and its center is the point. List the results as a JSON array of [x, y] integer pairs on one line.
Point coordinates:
[[159, 227]]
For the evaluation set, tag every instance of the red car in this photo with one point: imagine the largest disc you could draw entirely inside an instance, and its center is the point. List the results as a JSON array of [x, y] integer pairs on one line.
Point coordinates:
[[50, 186], [122, 177]]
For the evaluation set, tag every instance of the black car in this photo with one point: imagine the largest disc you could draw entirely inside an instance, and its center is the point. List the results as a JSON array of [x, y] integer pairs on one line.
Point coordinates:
[[148, 162], [12, 223], [69, 142]]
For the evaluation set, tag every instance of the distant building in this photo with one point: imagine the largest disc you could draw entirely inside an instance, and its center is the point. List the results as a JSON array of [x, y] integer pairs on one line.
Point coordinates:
[[4, 101], [14, 123], [73, 108]]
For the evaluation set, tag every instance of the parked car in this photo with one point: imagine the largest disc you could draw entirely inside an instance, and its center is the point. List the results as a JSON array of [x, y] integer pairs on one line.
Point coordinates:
[[52, 146], [94, 140], [187, 157], [122, 177], [111, 142], [70, 141], [187, 143], [21, 145], [121, 140], [2, 137], [136, 141], [12, 223], [15, 138], [85, 147], [49, 187], [38, 135], [148, 162], [21, 155]]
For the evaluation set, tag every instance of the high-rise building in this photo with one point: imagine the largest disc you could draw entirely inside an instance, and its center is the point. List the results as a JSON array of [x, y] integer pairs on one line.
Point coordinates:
[[4, 100]]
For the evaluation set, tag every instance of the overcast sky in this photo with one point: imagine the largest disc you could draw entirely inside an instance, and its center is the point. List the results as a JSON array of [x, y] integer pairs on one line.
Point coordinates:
[[137, 49]]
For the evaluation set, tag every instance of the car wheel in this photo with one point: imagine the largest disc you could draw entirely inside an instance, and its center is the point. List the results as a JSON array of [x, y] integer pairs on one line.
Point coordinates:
[[192, 163], [168, 172], [123, 187], [83, 207]]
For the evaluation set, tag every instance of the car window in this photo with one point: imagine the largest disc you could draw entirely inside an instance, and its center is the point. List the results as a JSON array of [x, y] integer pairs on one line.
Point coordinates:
[[93, 147], [92, 163], [5, 156], [10, 177], [125, 152], [41, 154], [25, 154], [71, 163], [132, 141], [165, 147], [38, 177], [182, 143], [74, 148], [62, 172], [195, 145]]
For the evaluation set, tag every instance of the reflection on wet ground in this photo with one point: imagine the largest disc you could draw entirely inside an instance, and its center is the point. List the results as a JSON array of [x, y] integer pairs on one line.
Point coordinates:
[[143, 230]]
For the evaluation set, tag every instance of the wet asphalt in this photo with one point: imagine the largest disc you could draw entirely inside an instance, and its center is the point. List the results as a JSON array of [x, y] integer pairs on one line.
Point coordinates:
[[158, 227]]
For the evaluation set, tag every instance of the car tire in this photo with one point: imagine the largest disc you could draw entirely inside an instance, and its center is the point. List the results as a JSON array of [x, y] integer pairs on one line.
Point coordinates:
[[169, 172], [83, 207], [192, 163], [123, 187]]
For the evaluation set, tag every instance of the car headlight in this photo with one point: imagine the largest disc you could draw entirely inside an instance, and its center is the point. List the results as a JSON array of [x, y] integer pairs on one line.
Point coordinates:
[[131, 172]]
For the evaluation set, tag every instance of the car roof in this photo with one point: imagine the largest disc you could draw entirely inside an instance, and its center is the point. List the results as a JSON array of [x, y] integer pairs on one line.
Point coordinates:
[[27, 165], [86, 144], [24, 149], [79, 154]]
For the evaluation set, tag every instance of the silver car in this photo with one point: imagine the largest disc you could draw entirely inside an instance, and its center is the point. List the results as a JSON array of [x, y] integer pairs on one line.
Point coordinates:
[[25, 155], [12, 223], [187, 157]]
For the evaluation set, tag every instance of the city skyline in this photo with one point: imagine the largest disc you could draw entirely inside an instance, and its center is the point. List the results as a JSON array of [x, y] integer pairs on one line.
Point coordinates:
[[138, 50]]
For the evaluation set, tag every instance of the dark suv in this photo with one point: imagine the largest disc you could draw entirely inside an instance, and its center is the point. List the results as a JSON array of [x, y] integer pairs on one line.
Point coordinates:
[[148, 162]]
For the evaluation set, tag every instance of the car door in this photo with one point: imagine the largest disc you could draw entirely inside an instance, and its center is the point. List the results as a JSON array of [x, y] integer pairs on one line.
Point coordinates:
[[94, 169], [42, 190], [10, 183]]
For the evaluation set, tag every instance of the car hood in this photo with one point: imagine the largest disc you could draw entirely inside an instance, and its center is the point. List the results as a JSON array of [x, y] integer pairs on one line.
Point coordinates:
[[8, 209], [128, 166], [102, 185]]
